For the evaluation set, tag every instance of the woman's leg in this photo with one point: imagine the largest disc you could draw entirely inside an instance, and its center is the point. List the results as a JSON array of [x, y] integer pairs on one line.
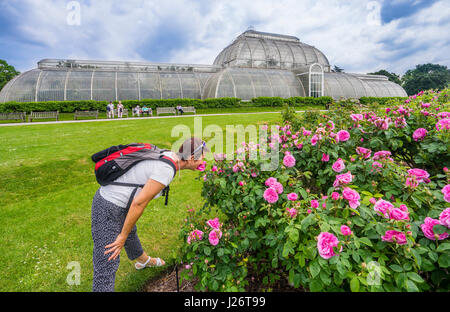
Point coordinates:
[[105, 227]]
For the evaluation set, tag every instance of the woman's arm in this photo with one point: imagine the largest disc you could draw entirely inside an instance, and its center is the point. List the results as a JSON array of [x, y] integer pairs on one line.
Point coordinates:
[[150, 190]]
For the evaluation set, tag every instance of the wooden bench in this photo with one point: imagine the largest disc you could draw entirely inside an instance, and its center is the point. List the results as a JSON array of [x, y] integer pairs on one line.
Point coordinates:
[[124, 113], [79, 114], [43, 115], [165, 110], [14, 116], [188, 109]]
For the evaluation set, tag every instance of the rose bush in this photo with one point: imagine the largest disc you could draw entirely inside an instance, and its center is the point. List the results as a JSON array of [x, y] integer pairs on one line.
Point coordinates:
[[373, 217]]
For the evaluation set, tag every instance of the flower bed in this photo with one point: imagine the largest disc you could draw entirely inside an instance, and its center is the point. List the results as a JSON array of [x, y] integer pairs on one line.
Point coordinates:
[[359, 202]]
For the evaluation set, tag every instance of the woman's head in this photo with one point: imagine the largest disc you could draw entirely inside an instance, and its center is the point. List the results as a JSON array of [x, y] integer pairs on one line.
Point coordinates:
[[192, 152]]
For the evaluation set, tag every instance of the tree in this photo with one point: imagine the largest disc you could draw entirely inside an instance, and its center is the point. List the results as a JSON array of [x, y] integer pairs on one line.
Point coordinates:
[[391, 76], [425, 77], [7, 72], [337, 69]]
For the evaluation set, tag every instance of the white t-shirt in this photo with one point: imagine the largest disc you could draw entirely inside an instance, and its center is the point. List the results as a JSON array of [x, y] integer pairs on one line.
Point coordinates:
[[138, 174]]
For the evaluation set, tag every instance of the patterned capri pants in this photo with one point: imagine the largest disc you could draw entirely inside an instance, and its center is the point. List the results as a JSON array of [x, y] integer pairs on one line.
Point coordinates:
[[107, 222]]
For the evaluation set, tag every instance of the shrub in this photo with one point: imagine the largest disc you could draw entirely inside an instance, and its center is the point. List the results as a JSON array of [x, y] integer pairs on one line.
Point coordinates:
[[340, 213]]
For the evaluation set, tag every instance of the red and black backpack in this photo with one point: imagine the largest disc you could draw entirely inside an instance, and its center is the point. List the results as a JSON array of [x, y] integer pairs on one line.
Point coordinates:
[[115, 161]]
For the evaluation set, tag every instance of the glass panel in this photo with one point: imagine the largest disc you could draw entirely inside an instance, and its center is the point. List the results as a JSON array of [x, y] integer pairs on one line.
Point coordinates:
[[170, 86], [261, 83], [299, 55], [24, 89], [191, 86], [311, 57], [127, 86], [79, 86], [272, 54], [226, 86], [149, 83], [104, 86], [243, 85], [51, 86], [286, 55]]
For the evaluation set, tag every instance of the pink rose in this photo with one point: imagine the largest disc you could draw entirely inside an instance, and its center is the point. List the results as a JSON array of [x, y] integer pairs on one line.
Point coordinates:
[[214, 168], [343, 135], [214, 237], [398, 214], [202, 166], [421, 175], [411, 182], [373, 200], [446, 192], [381, 154], [325, 157], [214, 223], [292, 196], [314, 139], [195, 235], [325, 243], [363, 152], [335, 196], [345, 178], [345, 230], [443, 124], [278, 187], [444, 218], [289, 161], [271, 195], [292, 212], [427, 229], [419, 134], [338, 166], [270, 181], [308, 211], [352, 196], [356, 117], [314, 203], [241, 183], [384, 207], [394, 237]]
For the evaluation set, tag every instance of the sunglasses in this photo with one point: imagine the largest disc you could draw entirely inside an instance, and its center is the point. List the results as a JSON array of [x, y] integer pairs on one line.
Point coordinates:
[[199, 147]]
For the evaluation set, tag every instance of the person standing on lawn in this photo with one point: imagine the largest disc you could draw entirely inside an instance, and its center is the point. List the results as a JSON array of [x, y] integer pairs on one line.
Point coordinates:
[[120, 109], [115, 211]]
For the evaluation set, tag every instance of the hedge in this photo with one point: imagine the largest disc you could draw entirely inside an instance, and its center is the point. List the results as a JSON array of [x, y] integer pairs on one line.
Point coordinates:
[[71, 106], [366, 100]]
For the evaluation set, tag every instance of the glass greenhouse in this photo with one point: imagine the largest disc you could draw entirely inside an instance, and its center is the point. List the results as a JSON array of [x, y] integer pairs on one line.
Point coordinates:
[[255, 64]]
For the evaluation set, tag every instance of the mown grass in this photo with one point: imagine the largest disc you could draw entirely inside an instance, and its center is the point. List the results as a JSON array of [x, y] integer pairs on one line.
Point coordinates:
[[46, 189], [200, 111]]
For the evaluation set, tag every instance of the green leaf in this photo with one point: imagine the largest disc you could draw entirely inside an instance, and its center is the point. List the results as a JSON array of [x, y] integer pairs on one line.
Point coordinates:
[[411, 287], [417, 257], [415, 277], [293, 235], [220, 252], [207, 251], [307, 222], [439, 229], [315, 285], [443, 247], [314, 268], [444, 261], [354, 284], [396, 268], [366, 241], [326, 279]]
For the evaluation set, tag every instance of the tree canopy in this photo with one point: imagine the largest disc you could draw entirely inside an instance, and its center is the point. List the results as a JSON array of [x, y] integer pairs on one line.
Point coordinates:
[[7, 72], [425, 77], [391, 76]]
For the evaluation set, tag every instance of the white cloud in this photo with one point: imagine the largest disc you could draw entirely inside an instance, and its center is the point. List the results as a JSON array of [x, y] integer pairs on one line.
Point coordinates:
[[117, 30]]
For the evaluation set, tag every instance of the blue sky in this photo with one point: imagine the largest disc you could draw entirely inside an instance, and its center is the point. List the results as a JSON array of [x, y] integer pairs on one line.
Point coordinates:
[[359, 36]]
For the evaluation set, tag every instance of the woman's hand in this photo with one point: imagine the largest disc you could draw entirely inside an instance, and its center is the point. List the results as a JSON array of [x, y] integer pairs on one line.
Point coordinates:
[[116, 247]]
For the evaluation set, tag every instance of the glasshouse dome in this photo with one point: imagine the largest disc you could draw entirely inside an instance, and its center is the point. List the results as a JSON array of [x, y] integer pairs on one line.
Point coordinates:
[[255, 64]]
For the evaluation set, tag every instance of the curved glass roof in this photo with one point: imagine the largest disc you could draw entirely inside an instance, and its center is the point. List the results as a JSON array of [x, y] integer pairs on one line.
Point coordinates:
[[256, 64], [346, 85], [264, 50], [248, 83], [76, 85]]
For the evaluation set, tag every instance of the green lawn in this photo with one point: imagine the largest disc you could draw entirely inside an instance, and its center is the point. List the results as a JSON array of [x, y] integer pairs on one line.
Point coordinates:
[[244, 109], [46, 189]]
